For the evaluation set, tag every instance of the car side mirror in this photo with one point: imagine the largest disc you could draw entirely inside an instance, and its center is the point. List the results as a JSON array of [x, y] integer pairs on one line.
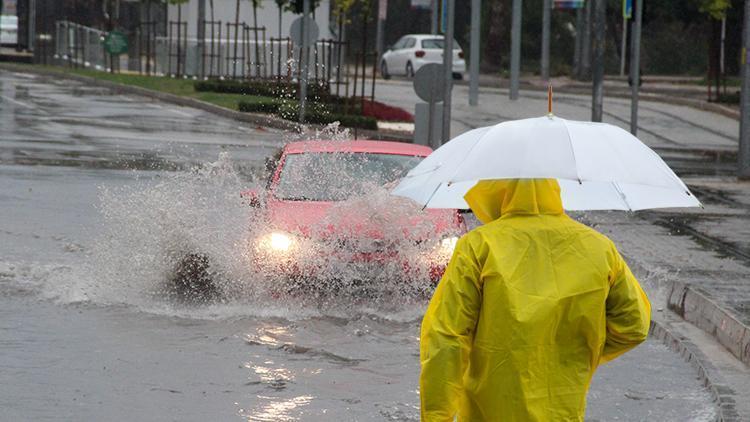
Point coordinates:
[[251, 197]]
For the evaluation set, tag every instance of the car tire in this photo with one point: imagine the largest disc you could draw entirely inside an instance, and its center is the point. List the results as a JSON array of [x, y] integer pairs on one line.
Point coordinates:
[[458, 76], [409, 70], [192, 280], [384, 70]]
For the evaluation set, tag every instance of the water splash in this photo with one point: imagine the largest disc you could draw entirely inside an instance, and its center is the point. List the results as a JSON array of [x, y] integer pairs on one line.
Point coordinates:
[[152, 224]]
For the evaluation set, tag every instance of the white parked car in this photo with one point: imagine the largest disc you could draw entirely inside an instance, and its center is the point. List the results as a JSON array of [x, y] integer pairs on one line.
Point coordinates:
[[8, 29], [413, 51]]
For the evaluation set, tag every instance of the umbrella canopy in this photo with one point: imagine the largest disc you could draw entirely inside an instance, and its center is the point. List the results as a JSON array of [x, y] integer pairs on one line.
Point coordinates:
[[598, 166]]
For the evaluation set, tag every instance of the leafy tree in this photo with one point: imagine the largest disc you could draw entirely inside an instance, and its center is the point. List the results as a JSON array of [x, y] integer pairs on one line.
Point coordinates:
[[282, 5], [297, 6], [715, 9]]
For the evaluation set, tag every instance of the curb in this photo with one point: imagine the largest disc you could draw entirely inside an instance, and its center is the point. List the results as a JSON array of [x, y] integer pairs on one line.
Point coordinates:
[[674, 97], [710, 377], [722, 395], [252, 118], [698, 309]]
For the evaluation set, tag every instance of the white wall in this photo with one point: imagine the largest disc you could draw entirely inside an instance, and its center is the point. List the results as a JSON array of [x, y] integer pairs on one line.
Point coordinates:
[[268, 16]]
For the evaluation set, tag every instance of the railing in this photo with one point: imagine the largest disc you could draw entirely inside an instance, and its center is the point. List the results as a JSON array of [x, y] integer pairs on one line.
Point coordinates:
[[230, 51], [79, 45]]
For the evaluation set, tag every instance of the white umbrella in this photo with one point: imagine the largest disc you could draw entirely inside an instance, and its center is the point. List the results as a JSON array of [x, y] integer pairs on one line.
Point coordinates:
[[598, 166]]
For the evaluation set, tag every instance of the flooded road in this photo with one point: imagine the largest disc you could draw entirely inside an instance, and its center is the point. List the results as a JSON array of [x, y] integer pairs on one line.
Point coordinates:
[[92, 185]]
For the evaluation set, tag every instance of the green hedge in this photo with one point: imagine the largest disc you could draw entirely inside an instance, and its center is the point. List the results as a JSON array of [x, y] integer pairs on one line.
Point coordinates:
[[321, 114], [348, 120], [263, 88], [270, 105]]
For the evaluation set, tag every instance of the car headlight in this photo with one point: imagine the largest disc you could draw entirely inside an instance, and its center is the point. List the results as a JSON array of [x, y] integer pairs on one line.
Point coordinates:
[[277, 242]]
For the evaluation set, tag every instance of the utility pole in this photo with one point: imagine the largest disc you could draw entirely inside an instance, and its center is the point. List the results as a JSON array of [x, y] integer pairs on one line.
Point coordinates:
[[597, 50], [635, 66], [546, 26], [585, 68], [623, 45], [382, 13], [515, 49], [743, 160], [476, 10], [201, 35], [304, 31], [579, 43], [434, 17], [448, 68]]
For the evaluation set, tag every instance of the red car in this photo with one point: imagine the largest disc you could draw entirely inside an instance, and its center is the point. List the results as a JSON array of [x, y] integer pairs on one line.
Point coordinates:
[[326, 214]]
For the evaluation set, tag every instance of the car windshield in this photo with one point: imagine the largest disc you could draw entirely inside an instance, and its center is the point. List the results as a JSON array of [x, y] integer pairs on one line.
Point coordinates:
[[336, 176], [437, 43]]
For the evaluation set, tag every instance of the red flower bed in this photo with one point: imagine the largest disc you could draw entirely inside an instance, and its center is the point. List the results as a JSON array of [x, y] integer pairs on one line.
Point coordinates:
[[384, 112]]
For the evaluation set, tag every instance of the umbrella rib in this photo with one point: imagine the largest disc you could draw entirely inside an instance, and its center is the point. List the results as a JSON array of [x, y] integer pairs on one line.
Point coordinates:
[[572, 150], [466, 157], [622, 196], [431, 196]]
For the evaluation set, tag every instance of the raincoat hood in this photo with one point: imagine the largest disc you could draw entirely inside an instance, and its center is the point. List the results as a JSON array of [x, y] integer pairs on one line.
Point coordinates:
[[492, 199]]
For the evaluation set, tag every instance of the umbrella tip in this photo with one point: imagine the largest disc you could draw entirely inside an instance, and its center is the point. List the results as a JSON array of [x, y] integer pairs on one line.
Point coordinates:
[[549, 100]]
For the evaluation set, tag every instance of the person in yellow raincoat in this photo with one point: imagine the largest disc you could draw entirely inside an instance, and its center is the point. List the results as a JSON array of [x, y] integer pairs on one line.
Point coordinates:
[[530, 304]]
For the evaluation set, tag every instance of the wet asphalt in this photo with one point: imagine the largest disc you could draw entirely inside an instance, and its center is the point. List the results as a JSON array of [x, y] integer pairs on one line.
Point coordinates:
[[79, 343]]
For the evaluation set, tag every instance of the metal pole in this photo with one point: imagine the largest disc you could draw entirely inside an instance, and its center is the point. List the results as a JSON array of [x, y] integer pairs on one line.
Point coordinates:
[[623, 45], [448, 69], [546, 24], [434, 18], [476, 10], [635, 66], [515, 49], [721, 51], [379, 42], [579, 43], [305, 53], [597, 50], [32, 24], [201, 35], [585, 69], [743, 160]]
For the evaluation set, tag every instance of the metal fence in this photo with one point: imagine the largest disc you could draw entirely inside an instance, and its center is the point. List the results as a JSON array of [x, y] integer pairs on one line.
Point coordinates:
[[79, 46], [229, 51]]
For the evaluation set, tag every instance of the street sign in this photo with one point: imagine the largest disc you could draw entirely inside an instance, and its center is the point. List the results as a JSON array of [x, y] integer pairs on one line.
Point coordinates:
[[627, 9], [115, 43], [421, 4], [428, 83], [311, 27]]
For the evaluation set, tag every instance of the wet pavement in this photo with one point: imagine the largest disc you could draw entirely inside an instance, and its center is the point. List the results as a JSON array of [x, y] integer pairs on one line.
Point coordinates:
[[85, 337]]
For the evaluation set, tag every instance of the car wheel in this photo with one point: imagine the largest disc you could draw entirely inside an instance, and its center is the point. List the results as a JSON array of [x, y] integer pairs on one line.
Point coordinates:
[[384, 70], [192, 280], [409, 70], [458, 76]]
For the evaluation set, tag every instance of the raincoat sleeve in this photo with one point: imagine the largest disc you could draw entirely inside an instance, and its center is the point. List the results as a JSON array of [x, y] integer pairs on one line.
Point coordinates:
[[628, 312], [447, 335]]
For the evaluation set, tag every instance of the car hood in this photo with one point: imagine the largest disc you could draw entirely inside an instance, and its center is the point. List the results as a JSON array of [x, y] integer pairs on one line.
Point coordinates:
[[330, 220]]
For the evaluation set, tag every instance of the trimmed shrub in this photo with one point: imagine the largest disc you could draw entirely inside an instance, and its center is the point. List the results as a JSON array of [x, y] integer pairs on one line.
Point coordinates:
[[348, 120], [262, 88], [270, 105], [319, 114]]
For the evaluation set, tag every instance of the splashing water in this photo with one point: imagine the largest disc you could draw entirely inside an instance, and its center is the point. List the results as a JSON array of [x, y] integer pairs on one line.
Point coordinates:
[[152, 225]]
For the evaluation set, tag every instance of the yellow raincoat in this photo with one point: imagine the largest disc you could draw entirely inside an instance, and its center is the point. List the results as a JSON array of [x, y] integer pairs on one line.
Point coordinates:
[[530, 304]]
